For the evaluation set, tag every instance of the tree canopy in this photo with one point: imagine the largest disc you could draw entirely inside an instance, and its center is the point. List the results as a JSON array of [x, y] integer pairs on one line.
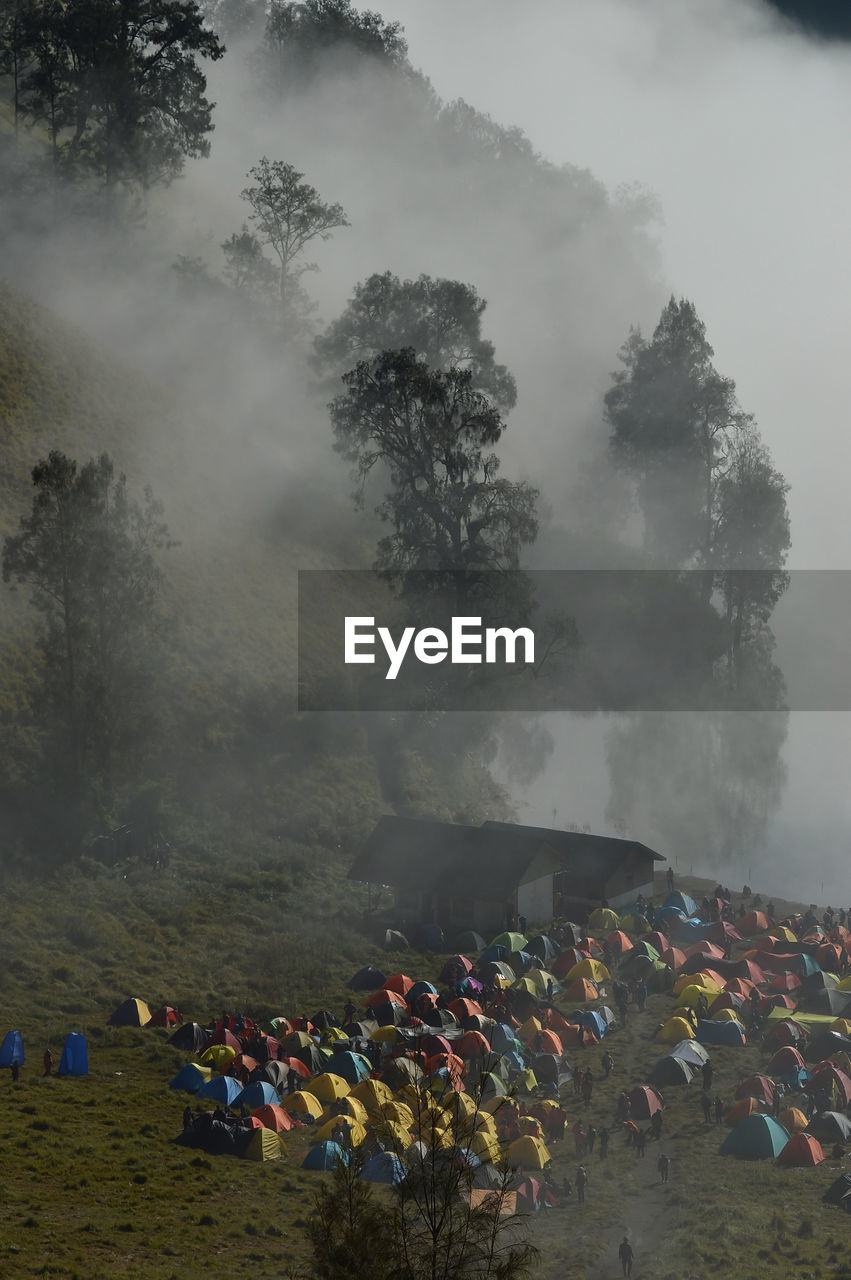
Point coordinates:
[[440, 319]]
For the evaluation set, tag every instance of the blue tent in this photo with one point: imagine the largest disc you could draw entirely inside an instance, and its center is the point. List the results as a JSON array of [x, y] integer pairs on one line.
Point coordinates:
[[421, 988], [590, 1018], [75, 1056], [503, 1037], [430, 936], [691, 928], [681, 901], [493, 952], [368, 979], [189, 1078], [12, 1049], [325, 1155], [257, 1094], [384, 1166], [711, 1032], [758, 1137], [351, 1066], [668, 913], [795, 1079], [221, 1089]]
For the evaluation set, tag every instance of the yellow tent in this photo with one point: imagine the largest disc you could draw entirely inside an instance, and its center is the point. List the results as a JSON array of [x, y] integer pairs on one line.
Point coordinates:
[[676, 1029], [385, 1035], [399, 1112], [328, 1087], [265, 1144], [634, 924], [525, 984], [485, 1146], [528, 1151], [333, 1033], [304, 1103], [699, 980], [494, 1105], [540, 977], [357, 1132], [529, 1028], [845, 984], [459, 1104], [690, 994], [352, 1107], [726, 1015], [593, 969], [783, 932], [218, 1056], [603, 919], [297, 1040], [393, 1132], [526, 1081], [372, 1093], [793, 1119]]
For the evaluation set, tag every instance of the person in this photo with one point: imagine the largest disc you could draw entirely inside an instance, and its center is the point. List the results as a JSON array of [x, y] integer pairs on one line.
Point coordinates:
[[670, 879], [349, 1013], [640, 1141], [663, 1164], [640, 994], [577, 1081], [521, 925], [591, 1139], [580, 1137], [48, 1062], [587, 1086], [626, 1252], [550, 990], [603, 1135], [656, 1125], [581, 1183], [707, 1107], [707, 1071], [608, 1064], [624, 1107], [719, 1109], [16, 1069], [187, 1116]]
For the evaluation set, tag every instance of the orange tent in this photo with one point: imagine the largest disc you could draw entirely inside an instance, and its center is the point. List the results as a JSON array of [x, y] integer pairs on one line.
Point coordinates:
[[271, 1116], [754, 922], [384, 996], [801, 1149], [582, 990], [742, 1109], [399, 982]]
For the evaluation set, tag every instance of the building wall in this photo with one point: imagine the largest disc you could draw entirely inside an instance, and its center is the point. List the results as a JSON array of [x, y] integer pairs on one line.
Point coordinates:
[[535, 900], [621, 899]]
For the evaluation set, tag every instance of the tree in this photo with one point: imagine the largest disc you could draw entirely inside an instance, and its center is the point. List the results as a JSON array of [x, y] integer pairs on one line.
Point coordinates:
[[675, 426], [440, 319], [300, 36], [247, 269], [119, 86], [288, 214], [429, 430], [88, 552]]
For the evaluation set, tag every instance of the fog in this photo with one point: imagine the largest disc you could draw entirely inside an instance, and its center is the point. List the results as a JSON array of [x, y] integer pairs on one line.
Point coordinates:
[[733, 122], [736, 122]]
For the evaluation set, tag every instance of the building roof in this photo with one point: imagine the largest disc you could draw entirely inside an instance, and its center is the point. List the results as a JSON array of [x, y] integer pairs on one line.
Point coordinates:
[[583, 855], [480, 862], [487, 861]]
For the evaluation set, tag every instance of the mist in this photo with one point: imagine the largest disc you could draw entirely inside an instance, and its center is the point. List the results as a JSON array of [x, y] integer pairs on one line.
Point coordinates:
[[695, 150], [733, 118]]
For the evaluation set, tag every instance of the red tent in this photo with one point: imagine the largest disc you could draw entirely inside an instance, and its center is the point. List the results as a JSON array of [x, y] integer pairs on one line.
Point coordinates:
[[165, 1017], [785, 1059], [645, 1101], [465, 1008], [801, 1149], [399, 982], [385, 996], [759, 1087]]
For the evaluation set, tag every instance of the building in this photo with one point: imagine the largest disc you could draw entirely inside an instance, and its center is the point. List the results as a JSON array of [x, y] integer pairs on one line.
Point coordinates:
[[483, 878]]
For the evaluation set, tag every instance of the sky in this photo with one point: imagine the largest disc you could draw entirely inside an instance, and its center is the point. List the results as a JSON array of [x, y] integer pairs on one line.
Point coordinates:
[[737, 122]]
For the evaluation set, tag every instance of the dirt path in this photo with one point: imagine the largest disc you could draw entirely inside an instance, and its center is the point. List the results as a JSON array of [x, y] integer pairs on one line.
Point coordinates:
[[649, 1215]]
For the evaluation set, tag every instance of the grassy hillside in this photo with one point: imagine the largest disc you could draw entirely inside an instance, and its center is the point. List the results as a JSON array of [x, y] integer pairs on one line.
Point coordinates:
[[93, 1185]]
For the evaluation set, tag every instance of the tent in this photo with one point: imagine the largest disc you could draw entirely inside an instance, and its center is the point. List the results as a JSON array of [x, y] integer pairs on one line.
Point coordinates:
[[755, 1138], [304, 1104], [131, 1013], [471, 941], [166, 1016], [384, 1166], [327, 1087], [801, 1149], [264, 1144], [325, 1155], [511, 941], [353, 1067], [645, 1102], [367, 979], [191, 1036], [75, 1056], [529, 1152], [759, 1087], [543, 948], [257, 1095], [793, 1119], [711, 1032], [395, 941], [12, 1049], [671, 1070], [356, 1131], [681, 902], [190, 1078], [676, 1028], [604, 920], [839, 1190], [831, 1125], [274, 1117], [221, 1089], [691, 1052]]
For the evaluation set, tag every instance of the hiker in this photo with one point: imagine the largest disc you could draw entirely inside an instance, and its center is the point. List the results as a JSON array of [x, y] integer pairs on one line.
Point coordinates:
[[577, 1082], [608, 1064], [591, 1139], [656, 1125], [719, 1109], [663, 1164], [550, 990], [775, 1101], [604, 1142], [349, 1013], [48, 1062], [707, 1070], [580, 1137], [706, 1103], [626, 1252], [624, 1107], [581, 1183], [187, 1117], [521, 925], [670, 879], [639, 1141]]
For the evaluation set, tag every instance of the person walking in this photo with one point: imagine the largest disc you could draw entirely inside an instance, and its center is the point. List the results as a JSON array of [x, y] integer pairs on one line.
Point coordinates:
[[719, 1109], [626, 1253], [608, 1064], [706, 1103], [707, 1070], [581, 1183], [663, 1164], [48, 1062]]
